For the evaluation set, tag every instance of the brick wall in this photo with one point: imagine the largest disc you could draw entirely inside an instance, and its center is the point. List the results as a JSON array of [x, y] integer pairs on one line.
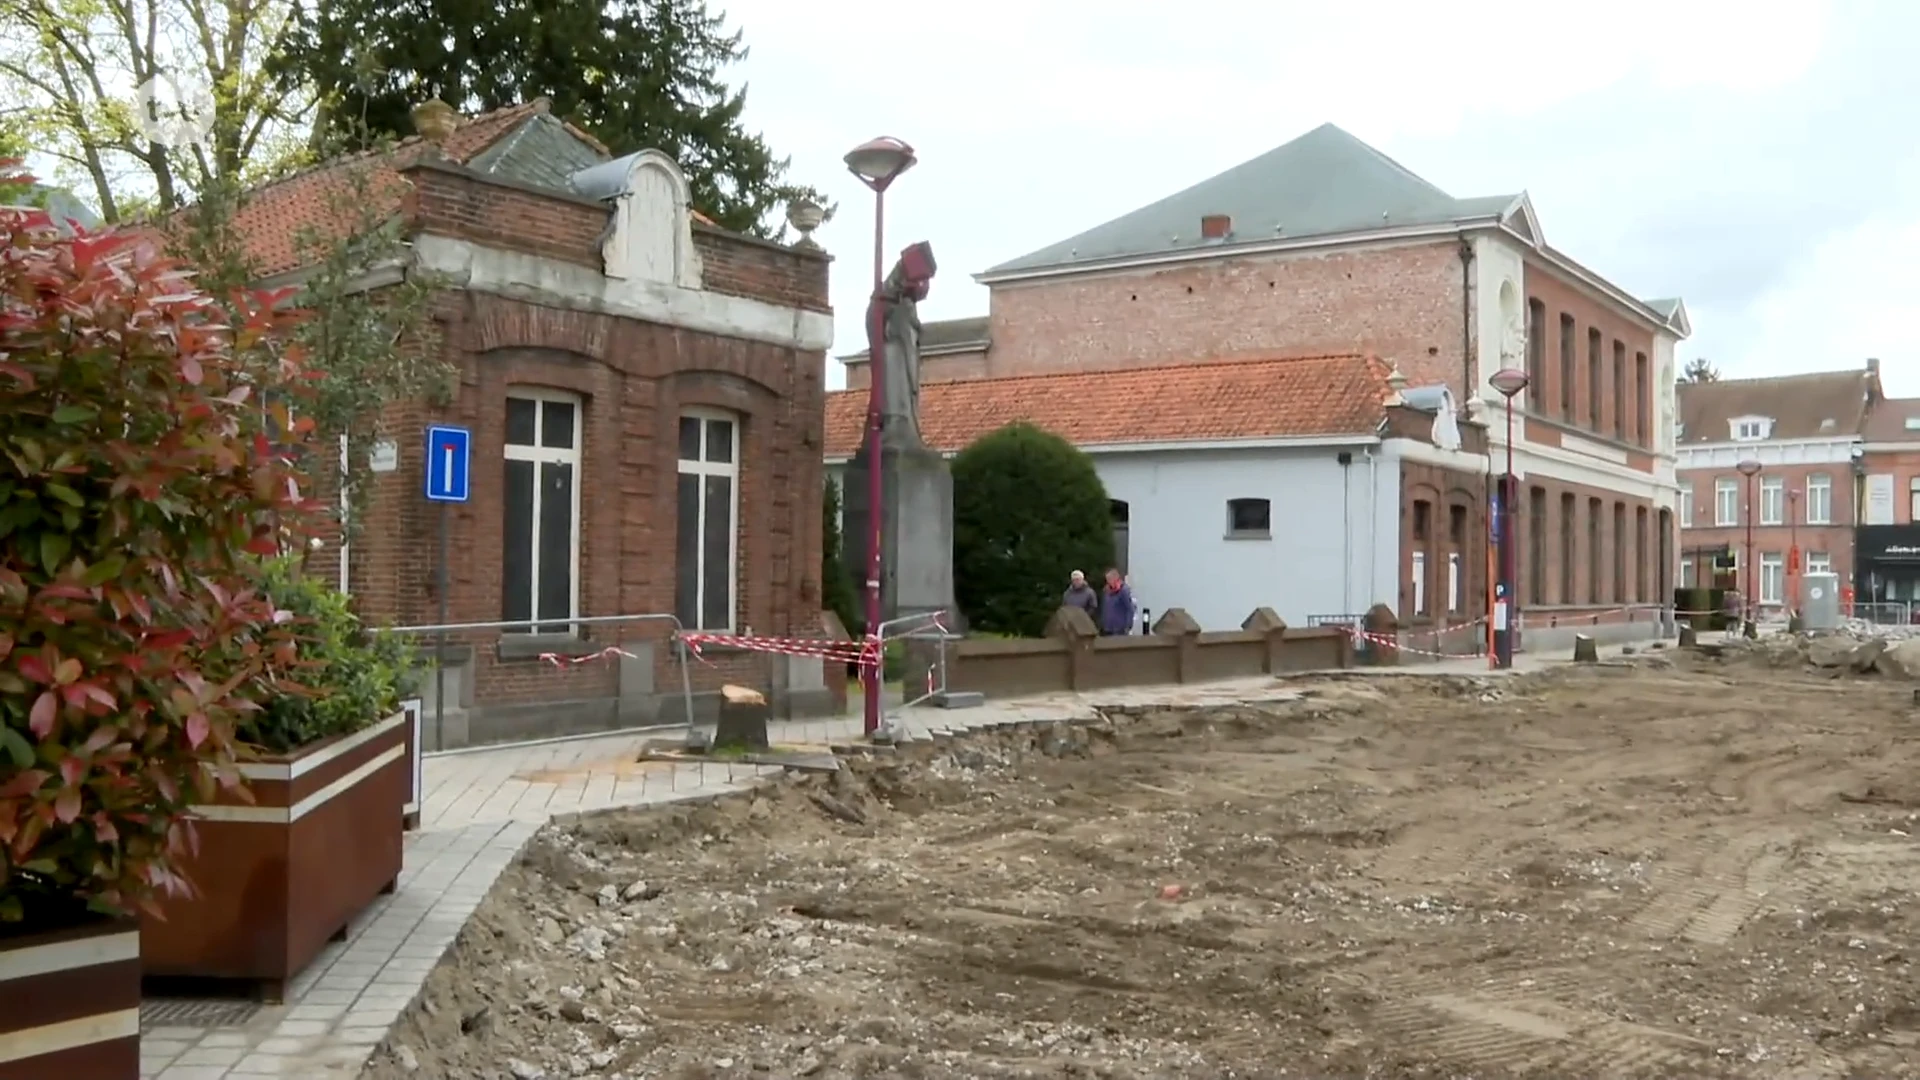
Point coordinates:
[[1575, 555], [633, 379], [1578, 340], [942, 367], [1443, 513], [1400, 302]]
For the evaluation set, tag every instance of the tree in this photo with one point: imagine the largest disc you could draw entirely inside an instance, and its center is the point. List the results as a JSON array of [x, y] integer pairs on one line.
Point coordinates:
[[364, 350], [635, 74], [138, 486], [836, 588], [1698, 370], [1028, 509], [78, 65]]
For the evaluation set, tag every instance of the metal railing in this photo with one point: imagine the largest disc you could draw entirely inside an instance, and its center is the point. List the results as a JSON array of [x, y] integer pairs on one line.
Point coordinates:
[[441, 630], [1883, 612], [926, 626], [1356, 622]]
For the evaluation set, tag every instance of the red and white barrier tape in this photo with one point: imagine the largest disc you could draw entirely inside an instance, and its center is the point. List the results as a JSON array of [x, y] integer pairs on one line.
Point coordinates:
[[1390, 642], [558, 660], [863, 652]]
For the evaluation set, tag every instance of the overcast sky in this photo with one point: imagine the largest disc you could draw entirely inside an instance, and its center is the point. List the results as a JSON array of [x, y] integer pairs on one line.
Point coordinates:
[[1761, 162]]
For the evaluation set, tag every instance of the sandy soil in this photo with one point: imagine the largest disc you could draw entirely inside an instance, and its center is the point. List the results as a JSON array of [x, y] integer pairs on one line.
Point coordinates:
[[1657, 872]]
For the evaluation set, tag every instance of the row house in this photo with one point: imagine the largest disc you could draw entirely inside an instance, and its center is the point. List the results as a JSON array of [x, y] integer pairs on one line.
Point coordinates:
[[1325, 246], [1800, 437]]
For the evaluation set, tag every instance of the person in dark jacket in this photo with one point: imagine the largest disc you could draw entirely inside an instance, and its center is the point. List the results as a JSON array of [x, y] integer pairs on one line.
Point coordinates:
[[1081, 595], [1116, 606]]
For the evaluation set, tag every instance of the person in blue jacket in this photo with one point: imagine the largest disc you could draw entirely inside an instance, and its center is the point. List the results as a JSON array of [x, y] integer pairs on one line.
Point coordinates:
[[1116, 605]]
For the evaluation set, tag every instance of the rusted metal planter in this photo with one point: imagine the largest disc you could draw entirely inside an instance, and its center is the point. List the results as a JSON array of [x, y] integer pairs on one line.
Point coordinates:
[[70, 1003], [276, 879]]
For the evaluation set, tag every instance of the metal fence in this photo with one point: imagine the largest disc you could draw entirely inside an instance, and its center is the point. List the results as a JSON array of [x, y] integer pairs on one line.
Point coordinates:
[[440, 632], [924, 627], [1883, 613]]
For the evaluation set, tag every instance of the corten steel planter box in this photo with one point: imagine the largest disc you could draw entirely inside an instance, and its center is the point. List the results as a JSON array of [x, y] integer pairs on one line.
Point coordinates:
[[277, 879], [70, 1003]]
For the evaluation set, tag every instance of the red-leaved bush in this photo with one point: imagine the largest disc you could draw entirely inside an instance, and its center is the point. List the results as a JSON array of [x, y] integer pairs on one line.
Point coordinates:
[[138, 489]]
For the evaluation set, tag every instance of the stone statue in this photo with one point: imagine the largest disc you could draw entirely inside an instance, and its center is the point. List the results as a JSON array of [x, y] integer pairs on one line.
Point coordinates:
[[900, 298], [1513, 345]]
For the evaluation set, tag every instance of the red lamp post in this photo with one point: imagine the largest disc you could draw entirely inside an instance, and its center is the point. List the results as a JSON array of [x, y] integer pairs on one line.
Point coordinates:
[[1749, 469], [1509, 381], [878, 163]]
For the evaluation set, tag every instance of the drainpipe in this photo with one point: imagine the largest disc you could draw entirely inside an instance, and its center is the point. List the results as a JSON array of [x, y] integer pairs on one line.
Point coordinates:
[[1346, 532], [1373, 526], [1467, 388]]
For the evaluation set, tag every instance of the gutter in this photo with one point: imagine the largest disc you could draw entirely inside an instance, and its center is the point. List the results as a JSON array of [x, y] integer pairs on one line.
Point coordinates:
[[1300, 442]]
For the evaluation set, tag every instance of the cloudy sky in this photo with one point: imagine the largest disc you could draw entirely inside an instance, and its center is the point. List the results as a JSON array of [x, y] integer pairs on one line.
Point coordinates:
[[1763, 163]]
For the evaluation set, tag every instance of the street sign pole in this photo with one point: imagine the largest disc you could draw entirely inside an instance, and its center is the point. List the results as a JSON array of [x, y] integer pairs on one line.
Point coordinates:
[[449, 480]]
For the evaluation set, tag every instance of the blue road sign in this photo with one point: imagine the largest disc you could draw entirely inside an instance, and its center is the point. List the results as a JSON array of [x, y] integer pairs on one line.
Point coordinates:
[[1493, 516], [449, 461]]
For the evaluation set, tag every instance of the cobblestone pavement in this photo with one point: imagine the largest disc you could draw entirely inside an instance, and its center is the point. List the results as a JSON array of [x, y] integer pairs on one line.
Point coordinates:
[[481, 807]]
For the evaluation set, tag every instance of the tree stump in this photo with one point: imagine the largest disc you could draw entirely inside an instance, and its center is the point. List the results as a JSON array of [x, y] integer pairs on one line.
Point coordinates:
[[1584, 650], [1686, 636], [743, 719]]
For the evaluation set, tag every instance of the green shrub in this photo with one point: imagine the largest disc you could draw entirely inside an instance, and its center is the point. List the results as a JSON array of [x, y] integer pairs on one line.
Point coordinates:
[[1028, 509], [137, 489], [836, 586], [343, 677]]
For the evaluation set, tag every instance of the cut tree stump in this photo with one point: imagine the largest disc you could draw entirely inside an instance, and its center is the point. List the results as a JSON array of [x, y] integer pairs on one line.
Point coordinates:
[[743, 719], [1584, 650]]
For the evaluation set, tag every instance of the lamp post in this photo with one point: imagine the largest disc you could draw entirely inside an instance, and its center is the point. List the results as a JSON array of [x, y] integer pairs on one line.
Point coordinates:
[[878, 163], [1749, 469], [1793, 553], [1509, 381]]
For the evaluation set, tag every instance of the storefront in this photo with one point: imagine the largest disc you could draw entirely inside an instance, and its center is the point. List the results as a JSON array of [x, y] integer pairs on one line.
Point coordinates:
[[1887, 564]]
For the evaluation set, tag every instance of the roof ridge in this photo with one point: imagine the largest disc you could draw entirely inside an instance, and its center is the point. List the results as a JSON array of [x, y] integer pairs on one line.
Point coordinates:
[[1185, 365], [1384, 157], [1849, 372]]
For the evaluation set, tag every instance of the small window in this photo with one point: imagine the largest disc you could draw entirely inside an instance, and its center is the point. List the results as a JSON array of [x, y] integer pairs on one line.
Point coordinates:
[[1249, 519], [1422, 520], [1457, 525], [1913, 423]]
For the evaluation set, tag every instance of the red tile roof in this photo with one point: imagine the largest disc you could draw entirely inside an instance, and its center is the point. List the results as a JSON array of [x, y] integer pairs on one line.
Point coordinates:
[[276, 214], [1269, 398]]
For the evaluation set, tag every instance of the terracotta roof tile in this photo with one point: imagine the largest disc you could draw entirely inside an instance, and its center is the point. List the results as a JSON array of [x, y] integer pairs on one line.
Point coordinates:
[[1823, 403], [1267, 398]]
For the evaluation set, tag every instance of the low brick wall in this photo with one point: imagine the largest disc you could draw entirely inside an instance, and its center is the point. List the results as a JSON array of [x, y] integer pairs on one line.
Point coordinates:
[[1074, 657]]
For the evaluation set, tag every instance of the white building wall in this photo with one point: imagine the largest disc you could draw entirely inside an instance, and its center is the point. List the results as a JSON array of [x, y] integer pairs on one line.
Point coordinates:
[[1333, 549]]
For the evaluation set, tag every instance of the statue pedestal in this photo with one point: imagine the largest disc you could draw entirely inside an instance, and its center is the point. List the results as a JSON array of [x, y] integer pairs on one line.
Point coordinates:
[[916, 532]]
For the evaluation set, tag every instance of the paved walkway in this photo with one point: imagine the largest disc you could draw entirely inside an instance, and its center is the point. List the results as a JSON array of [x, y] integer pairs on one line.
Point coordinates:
[[481, 807]]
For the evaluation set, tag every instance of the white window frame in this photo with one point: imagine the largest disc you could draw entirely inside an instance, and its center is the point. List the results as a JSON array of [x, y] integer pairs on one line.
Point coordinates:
[[1819, 511], [1687, 572], [559, 455], [1726, 502], [1419, 583], [1773, 500], [1819, 562], [1686, 506], [1913, 500], [1750, 428], [1453, 583], [731, 470], [1773, 576]]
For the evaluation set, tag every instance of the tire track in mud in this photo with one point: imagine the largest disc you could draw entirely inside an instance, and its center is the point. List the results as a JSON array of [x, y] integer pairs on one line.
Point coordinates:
[[1707, 900], [1519, 1021]]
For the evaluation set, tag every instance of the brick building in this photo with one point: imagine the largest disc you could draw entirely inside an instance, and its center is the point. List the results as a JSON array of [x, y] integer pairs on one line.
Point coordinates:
[[1805, 432], [1325, 246], [1887, 541], [645, 396]]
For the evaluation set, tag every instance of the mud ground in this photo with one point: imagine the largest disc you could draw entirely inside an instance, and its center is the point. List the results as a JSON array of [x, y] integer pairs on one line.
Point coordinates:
[[1659, 872]]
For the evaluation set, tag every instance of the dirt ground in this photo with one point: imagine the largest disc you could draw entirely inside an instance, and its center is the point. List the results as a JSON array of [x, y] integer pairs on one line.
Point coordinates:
[[1599, 872]]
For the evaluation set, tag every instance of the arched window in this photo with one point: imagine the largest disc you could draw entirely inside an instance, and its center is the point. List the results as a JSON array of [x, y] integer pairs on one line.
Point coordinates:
[[707, 542]]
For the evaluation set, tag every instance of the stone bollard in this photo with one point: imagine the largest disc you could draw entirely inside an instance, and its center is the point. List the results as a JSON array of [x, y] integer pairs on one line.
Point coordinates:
[[1584, 650], [1383, 630], [1686, 636]]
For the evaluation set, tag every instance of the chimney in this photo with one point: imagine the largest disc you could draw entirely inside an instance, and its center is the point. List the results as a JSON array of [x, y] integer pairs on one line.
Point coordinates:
[[1216, 227], [1873, 365], [434, 120]]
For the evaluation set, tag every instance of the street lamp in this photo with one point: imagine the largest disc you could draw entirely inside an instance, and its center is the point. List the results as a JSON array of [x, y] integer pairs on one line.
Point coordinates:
[[1749, 469], [1793, 553], [878, 163], [1509, 381]]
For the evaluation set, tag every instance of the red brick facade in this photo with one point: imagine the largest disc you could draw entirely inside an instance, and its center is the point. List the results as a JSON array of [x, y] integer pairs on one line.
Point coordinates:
[[633, 379]]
